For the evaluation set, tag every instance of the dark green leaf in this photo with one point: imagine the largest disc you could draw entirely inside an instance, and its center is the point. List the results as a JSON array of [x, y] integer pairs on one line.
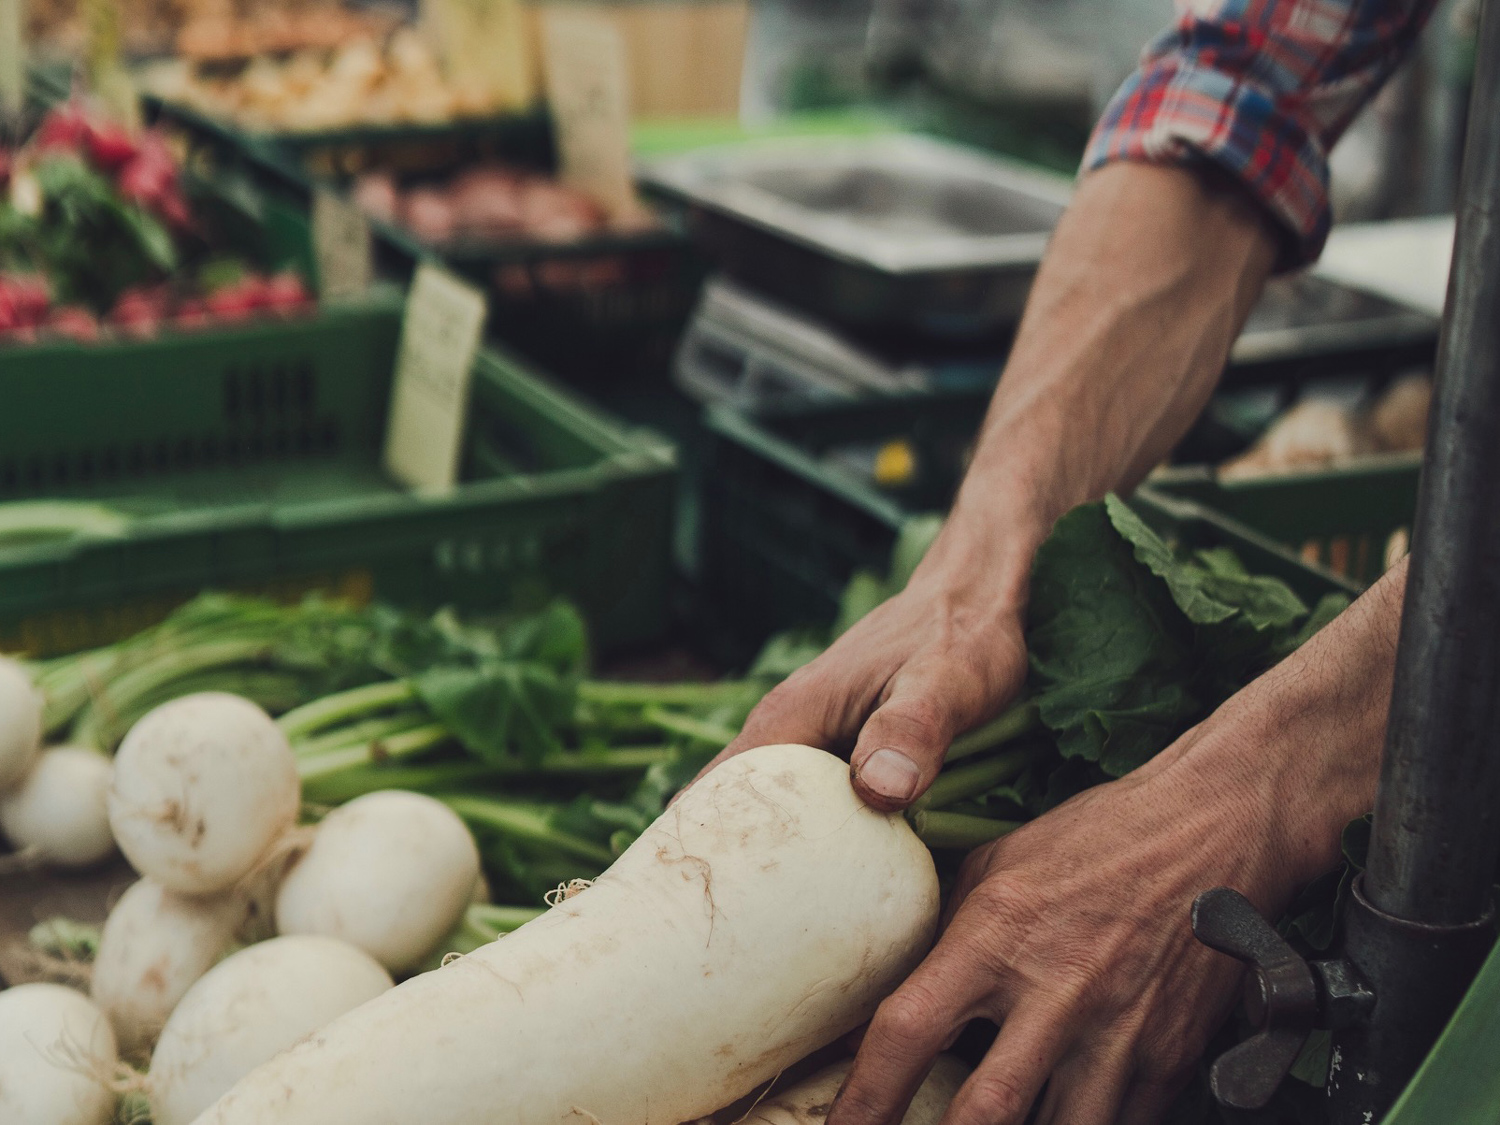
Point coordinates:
[[1111, 653], [500, 711]]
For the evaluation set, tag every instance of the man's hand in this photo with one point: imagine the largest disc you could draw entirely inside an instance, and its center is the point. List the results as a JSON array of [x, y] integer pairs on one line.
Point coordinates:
[[1072, 933], [929, 664], [1146, 283]]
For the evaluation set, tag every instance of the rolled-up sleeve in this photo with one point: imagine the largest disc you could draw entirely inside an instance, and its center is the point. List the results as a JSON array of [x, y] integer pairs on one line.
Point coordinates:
[[1260, 89]]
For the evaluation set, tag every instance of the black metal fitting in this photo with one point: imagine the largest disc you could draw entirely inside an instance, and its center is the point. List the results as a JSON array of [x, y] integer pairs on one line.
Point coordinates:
[[1374, 1057]]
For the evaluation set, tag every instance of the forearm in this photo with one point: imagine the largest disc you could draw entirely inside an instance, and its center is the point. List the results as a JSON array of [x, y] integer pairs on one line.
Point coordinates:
[[1296, 754], [1145, 285]]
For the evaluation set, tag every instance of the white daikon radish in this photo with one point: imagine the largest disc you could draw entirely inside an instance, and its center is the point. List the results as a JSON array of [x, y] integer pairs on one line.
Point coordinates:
[[154, 945], [203, 787], [808, 1103], [763, 915], [59, 812], [57, 1057], [390, 872], [20, 723], [246, 1009]]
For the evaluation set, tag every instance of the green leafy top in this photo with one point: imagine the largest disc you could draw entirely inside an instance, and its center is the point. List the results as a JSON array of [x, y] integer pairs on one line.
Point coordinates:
[[1132, 642]]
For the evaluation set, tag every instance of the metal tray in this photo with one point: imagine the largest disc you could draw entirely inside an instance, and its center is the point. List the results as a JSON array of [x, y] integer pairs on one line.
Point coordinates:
[[892, 231], [1306, 327], [744, 348]]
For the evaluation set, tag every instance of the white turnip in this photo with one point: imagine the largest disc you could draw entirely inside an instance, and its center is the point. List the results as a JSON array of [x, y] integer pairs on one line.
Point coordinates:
[[203, 787], [154, 945], [390, 872], [808, 1102], [57, 1057], [20, 723], [246, 1009], [763, 915], [59, 812]]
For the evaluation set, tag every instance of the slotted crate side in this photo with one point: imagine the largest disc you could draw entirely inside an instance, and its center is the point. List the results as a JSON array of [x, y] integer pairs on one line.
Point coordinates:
[[313, 387], [1353, 520], [583, 509], [596, 310], [781, 532]]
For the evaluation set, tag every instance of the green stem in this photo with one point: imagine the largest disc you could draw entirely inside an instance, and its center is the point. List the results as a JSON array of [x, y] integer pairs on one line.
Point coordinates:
[[498, 918], [629, 694], [98, 725], [272, 690], [360, 733], [972, 780], [331, 709], [337, 785], [529, 823], [958, 830], [397, 746], [1020, 719], [480, 925], [714, 734]]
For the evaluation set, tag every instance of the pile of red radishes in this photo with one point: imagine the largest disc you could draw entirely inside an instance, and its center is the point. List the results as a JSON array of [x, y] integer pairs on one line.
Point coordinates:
[[485, 203], [27, 314], [133, 177]]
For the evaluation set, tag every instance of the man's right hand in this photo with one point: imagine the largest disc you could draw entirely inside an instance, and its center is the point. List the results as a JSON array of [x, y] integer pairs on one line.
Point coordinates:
[[936, 660]]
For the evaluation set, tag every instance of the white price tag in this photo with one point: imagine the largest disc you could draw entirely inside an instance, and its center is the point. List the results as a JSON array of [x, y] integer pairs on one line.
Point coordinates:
[[342, 246], [12, 56], [485, 47], [589, 93], [434, 364]]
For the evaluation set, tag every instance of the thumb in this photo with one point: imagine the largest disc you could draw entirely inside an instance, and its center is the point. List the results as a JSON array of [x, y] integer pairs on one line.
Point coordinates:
[[902, 744]]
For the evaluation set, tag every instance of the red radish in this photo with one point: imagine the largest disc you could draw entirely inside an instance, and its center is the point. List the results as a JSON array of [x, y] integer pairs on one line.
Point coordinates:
[[109, 146], [430, 214], [191, 313], [139, 311], [377, 196], [239, 301], [28, 300], [75, 323], [65, 128], [285, 292], [150, 180]]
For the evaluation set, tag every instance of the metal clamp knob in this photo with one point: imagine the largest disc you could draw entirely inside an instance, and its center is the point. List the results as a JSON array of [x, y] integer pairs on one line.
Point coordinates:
[[1281, 998]]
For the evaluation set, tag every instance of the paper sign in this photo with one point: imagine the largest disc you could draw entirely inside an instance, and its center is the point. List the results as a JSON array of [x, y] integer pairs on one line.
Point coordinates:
[[588, 90], [485, 47], [434, 364], [341, 246], [12, 56]]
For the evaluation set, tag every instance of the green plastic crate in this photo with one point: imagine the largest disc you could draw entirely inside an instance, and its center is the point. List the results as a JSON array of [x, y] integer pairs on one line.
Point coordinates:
[[782, 529], [597, 311], [251, 460], [1355, 521]]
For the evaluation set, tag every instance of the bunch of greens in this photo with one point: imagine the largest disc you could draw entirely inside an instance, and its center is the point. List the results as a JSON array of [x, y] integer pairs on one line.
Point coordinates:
[[1131, 643], [90, 241]]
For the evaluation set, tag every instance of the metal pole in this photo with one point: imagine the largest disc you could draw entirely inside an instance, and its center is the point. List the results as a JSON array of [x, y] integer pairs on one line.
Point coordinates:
[[1422, 922]]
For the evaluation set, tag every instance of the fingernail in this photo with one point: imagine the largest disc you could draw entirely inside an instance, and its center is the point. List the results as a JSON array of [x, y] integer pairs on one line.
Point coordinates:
[[891, 774]]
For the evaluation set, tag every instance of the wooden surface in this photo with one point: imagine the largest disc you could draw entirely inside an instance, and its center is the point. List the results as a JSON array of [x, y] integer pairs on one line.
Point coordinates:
[[25, 900]]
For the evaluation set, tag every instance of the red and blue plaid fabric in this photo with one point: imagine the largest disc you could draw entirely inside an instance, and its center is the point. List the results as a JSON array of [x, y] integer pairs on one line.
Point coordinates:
[[1262, 89]]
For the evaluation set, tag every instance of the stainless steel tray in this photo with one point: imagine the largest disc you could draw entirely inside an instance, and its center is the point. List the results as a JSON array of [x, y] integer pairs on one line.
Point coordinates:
[[899, 204]]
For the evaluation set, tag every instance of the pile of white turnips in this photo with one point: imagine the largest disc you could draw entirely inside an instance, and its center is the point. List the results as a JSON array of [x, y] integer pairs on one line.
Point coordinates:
[[52, 802], [203, 800]]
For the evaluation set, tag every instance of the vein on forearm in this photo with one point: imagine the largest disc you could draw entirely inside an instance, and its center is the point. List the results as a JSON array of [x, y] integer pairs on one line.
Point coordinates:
[[1303, 742], [1148, 279]]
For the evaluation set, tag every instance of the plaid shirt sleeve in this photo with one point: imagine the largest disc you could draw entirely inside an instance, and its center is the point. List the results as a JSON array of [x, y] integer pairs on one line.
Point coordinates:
[[1261, 89]]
